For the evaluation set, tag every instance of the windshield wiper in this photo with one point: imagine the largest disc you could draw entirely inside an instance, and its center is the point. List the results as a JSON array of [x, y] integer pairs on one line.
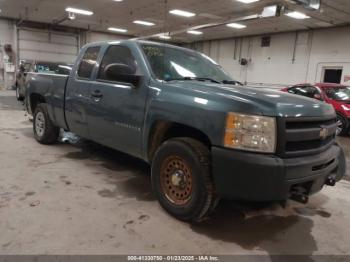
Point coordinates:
[[232, 82], [194, 78]]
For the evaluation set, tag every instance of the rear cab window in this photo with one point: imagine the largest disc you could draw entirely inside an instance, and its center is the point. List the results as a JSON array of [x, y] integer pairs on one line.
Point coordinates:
[[88, 62]]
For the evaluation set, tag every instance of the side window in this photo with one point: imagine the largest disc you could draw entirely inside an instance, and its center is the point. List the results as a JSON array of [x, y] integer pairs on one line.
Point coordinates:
[[292, 90], [116, 55], [298, 90], [311, 91], [88, 62], [308, 91]]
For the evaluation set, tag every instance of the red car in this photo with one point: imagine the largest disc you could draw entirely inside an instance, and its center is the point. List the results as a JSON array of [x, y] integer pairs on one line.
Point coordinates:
[[335, 94]]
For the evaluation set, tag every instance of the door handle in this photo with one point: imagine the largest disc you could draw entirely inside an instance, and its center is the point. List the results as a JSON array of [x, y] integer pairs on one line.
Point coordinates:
[[96, 94]]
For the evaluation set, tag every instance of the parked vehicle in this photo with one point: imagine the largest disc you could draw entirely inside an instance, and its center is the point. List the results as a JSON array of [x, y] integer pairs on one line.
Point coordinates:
[[205, 136], [20, 82], [39, 67], [335, 94]]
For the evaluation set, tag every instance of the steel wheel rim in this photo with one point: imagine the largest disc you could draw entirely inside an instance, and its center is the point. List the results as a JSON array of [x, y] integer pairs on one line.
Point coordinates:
[[176, 180], [40, 124]]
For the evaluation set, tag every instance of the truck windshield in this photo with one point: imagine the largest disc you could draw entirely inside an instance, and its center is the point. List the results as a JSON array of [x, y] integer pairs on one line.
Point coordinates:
[[339, 93], [170, 63]]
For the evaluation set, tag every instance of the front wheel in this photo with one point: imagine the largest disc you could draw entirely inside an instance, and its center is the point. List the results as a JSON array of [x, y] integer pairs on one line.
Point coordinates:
[[45, 132], [181, 179]]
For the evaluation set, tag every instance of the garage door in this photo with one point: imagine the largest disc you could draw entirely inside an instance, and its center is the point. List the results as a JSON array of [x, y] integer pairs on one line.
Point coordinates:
[[46, 46]]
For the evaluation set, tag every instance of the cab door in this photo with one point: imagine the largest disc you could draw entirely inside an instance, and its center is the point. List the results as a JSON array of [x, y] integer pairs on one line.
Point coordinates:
[[78, 92], [116, 112]]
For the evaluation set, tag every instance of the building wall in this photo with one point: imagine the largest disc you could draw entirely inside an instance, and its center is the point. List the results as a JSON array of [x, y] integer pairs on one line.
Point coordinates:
[[7, 36], [330, 48], [97, 37], [6, 32], [291, 58], [43, 45]]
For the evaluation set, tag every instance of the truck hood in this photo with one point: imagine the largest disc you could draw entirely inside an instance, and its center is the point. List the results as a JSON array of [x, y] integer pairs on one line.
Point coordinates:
[[258, 100]]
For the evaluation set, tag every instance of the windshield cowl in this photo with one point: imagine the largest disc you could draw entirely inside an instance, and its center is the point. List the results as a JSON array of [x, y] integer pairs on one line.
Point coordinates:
[[204, 79]]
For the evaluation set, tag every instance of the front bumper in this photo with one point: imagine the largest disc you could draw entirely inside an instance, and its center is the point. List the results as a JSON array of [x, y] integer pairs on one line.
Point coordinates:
[[259, 177]]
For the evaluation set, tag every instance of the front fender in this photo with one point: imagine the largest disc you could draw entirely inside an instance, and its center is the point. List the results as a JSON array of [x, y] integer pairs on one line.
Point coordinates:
[[188, 113]]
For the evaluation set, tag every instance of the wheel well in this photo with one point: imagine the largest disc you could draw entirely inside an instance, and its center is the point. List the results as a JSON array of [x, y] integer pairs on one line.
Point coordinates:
[[164, 130], [35, 99], [340, 114]]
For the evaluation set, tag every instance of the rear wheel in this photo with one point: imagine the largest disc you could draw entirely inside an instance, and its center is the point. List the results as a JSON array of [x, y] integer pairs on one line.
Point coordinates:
[[44, 130], [181, 179], [342, 125]]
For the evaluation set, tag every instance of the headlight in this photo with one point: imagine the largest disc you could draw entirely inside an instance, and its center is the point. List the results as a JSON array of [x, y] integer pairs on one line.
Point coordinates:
[[249, 132]]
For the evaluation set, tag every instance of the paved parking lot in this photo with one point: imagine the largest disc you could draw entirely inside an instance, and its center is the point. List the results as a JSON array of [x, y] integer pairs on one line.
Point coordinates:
[[83, 198]]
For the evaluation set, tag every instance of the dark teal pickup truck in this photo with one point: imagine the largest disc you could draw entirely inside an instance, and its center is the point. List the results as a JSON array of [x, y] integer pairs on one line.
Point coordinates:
[[205, 135]]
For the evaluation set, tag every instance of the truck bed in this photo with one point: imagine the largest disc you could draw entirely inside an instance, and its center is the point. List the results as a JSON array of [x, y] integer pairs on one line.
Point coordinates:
[[52, 87]]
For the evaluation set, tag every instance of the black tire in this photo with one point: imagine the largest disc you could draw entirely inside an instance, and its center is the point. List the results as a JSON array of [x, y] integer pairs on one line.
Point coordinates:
[[48, 133], [343, 126], [194, 157]]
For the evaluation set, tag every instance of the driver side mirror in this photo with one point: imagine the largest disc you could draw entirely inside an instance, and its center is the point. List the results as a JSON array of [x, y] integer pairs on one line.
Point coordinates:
[[122, 73]]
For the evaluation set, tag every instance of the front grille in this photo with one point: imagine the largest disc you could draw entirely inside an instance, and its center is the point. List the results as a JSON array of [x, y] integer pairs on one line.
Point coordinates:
[[307, 145], [307, 124], [305, 136]]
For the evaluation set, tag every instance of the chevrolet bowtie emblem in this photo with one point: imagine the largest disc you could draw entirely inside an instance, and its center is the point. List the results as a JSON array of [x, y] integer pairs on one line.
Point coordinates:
[[323, 133]]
